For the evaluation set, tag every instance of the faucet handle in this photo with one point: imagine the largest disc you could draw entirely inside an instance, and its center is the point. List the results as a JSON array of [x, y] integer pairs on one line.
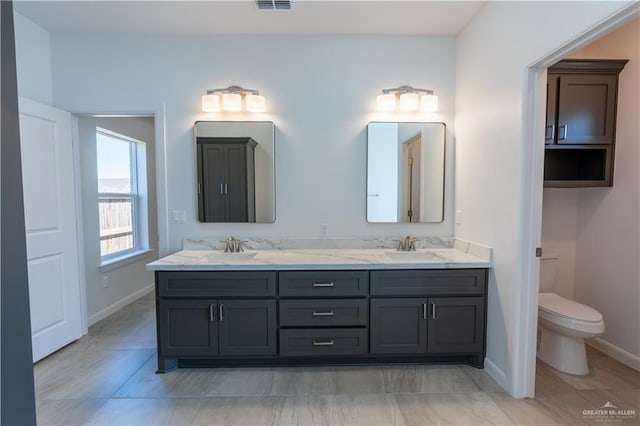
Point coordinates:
[[400, 245]]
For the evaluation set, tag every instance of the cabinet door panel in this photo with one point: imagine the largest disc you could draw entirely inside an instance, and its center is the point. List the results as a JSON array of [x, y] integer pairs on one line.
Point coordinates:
[[456, 324], [187, 328], [213, 176], [398, 326], [586, 109], [247, 327], [236, 185]]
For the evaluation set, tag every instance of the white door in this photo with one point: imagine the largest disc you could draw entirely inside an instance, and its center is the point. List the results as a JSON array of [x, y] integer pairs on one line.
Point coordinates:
[[50, 219]]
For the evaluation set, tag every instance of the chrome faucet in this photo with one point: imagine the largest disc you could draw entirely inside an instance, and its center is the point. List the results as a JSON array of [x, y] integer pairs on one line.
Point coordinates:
[[408, 244], [232, 245]]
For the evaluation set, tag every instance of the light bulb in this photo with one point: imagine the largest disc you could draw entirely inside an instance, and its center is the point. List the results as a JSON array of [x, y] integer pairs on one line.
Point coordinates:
[[231, 102], [386, 102], [255, 103], [211, 103], [409, 101], [429, 103]]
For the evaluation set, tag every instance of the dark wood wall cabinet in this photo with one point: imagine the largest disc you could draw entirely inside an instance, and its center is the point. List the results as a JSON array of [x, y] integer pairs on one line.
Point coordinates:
[[213, 318], [226, 179], [581, 122]]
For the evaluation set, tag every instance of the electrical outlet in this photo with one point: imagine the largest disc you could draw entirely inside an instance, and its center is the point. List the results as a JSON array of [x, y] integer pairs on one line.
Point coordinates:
[[324, 229], [105, 281], [458, 217], [178, 216]]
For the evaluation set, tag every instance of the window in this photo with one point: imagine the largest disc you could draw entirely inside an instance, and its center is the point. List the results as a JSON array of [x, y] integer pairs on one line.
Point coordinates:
[[121, 192]]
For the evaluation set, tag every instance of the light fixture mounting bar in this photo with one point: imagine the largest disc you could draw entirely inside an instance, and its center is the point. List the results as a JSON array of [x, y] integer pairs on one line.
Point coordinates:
[[407, 89], [234, 89]]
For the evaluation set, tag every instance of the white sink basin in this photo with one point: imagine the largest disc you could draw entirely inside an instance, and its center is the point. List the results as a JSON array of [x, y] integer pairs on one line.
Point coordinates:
[[229, 257], [413, 255]]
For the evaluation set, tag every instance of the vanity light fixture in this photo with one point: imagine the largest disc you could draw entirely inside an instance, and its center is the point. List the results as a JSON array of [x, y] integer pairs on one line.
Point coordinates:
[[230, 99], [407, 98]]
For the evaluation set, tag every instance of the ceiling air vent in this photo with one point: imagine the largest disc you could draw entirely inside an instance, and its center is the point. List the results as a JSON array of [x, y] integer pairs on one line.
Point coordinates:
[[273, 4]]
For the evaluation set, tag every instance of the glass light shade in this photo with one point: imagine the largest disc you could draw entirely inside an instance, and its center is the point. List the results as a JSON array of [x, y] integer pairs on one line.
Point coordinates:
[[211, 103], [386, 102], [409, 101], [231, 102], [255, 103], [429, 103]]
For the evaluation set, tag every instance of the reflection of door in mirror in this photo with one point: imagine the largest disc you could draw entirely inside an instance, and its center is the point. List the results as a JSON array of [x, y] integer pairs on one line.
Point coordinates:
[[227, 185], [411, 178], [405, 172]]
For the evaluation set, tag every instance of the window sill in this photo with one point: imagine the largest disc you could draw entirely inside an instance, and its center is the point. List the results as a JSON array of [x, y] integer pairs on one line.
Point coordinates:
[[122, 261]]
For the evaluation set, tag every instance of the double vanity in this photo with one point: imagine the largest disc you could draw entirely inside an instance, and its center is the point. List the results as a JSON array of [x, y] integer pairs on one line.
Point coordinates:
[[321, 306]]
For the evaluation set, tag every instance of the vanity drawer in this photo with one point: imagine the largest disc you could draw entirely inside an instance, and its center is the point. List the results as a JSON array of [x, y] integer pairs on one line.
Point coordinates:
[[323, 312], [429, 282], [324, 283], [216, 284], [323, 342]]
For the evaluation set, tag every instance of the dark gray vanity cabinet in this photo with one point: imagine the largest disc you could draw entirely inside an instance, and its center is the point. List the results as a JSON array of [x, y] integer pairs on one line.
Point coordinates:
[[581, 122], [320, 317], [226, 179], [202, 315], [446, 314]]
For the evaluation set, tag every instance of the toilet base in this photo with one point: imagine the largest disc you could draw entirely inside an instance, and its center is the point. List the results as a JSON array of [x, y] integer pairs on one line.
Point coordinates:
[[564, 353]]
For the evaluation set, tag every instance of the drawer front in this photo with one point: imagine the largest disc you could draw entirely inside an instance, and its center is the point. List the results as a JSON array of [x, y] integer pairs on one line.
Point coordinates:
[[323, 312], [429, 282], [324, 283], [323, 342], [216, 284]]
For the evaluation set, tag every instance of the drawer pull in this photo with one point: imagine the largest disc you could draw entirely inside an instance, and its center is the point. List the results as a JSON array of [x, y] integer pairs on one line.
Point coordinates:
[[323, 343], [433, 312], [212, 315], [323, 314], [323, 284]]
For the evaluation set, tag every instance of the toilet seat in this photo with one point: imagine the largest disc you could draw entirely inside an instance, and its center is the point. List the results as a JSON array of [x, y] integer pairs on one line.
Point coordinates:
[[569, 314], [557, 305]]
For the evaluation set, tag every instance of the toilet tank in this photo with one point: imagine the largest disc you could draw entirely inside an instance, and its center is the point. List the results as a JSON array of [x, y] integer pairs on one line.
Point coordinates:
[[548, 269]]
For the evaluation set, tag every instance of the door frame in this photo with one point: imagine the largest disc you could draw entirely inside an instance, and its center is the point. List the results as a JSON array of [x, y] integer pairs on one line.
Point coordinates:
[[159, 115], [533, 180]]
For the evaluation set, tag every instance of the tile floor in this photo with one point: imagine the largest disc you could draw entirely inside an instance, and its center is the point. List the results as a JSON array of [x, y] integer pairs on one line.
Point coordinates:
[[107, 378]]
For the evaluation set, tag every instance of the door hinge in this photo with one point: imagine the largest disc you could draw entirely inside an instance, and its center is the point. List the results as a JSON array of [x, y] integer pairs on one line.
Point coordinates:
[[538, 251]]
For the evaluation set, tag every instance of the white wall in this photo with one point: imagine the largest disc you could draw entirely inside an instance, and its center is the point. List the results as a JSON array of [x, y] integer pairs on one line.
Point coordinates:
[[33, 61], [127, 280], [559, 232], [608, 219], [494, 51], [320, 93]]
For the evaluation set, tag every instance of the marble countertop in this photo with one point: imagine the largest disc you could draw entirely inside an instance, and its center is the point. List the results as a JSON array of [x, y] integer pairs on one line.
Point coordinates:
[[320, 259]]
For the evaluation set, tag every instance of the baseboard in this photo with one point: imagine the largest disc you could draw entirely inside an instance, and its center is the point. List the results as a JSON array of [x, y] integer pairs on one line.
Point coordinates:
[[619, 354], [496, 374], [100, 315]]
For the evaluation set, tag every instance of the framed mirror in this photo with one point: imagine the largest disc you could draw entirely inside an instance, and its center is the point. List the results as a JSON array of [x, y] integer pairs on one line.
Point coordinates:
[[405, 172], [236, 171]]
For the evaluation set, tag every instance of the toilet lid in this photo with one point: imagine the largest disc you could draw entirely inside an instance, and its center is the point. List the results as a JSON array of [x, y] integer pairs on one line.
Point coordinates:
[[556, 305]]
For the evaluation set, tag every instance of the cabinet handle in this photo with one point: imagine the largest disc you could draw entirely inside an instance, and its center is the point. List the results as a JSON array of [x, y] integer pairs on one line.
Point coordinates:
[[564, 134], [323, 284], [322, 314], [221, 188], [221, 312], [424, 311], [553, 133], [226, 188], [212, 312], [433, 310], [323, 343]]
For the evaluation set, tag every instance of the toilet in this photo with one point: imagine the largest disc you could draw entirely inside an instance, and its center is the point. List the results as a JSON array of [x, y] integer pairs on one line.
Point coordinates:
[[564, 324]]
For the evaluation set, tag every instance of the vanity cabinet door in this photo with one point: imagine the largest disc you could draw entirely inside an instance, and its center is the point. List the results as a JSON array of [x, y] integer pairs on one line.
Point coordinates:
[[456, 325], [247, 327], [187, 327], [398, 326]]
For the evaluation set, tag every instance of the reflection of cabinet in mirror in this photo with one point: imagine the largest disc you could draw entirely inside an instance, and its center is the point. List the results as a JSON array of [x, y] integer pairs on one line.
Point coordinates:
[[226, 184]]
